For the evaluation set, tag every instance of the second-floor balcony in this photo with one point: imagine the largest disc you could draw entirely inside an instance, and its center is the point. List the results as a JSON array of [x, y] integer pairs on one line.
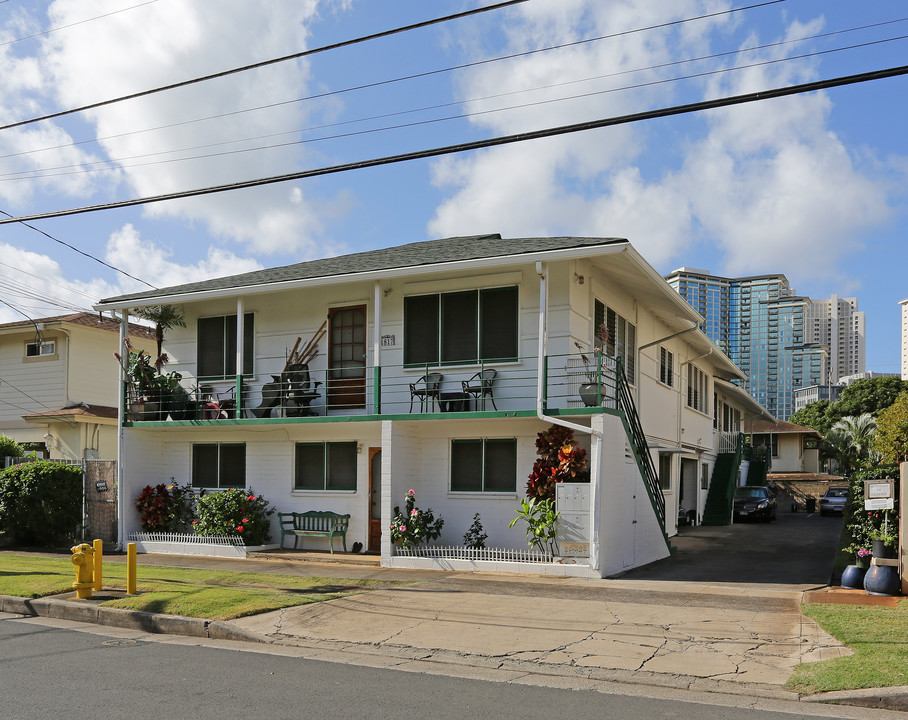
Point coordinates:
[[570, 384]]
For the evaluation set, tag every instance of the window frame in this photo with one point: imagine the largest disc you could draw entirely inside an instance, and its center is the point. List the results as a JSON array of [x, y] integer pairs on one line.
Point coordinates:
[[41, 353], [622, 338], [666, 366], [664, 471], [227, 344], [483, 465], [326, 481], [440, 316], [697, 389], [223, 465]]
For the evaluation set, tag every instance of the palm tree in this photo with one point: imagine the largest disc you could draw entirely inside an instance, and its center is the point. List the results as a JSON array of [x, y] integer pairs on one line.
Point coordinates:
[[164, 317], [849, 441]]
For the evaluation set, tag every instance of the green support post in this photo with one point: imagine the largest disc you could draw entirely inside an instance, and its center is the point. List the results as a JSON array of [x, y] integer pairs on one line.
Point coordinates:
[[545, 383], [376, 388], [239, 396]]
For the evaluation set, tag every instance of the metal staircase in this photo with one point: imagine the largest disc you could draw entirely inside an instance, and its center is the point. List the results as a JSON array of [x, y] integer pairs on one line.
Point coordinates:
[[720, 498]]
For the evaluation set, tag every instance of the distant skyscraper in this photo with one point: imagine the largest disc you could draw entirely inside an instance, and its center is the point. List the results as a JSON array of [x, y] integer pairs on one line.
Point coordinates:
[[762, 325], [837, 324], [904, 304]]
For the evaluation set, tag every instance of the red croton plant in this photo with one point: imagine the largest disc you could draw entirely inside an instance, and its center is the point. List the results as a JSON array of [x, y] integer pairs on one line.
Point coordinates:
[[559, 460]]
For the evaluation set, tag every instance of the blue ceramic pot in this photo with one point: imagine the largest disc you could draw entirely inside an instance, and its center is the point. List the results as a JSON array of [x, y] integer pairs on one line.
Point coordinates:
[[853, 577], [882, 580]]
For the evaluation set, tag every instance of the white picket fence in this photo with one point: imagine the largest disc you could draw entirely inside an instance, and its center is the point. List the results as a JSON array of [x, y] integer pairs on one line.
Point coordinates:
[[190, 544], [455, 552]]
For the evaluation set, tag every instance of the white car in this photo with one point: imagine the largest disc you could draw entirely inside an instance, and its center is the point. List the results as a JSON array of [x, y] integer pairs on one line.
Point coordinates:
[[833, 501]]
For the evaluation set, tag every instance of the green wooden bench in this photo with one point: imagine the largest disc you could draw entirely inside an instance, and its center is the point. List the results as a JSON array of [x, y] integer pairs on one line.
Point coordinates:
[[314, 523]]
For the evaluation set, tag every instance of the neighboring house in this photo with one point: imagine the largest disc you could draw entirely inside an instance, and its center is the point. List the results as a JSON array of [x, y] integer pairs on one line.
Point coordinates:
[[357, 425], [58, 390], [790, 448]]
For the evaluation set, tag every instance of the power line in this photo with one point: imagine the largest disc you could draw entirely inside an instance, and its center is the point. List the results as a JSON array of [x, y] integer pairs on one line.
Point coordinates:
[[273, 61], [491, 142], [84, 167], [452, 68], [79, 22], [75, 249]]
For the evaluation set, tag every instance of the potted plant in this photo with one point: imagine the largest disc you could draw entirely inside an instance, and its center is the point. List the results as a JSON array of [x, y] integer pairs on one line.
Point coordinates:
[[594, 389]]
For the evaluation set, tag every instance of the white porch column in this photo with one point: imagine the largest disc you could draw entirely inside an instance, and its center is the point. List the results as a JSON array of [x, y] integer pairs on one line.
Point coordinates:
[[376, 342], [121, 444], [240, 338]]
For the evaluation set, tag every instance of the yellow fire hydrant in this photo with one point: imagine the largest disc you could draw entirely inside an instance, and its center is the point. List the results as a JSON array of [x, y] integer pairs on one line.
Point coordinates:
[[83, 559]]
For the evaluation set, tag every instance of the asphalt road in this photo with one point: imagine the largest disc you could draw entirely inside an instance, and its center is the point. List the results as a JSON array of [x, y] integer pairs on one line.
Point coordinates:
[[795, 549], [49, 670]]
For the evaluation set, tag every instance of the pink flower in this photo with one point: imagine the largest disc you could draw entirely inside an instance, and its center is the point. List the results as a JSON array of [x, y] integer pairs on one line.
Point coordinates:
[[411, 492], [403, 528], [414, 512]]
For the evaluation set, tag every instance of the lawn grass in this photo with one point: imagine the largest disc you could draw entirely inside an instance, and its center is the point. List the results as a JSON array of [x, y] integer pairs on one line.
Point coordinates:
[[879, 638], [209, 594]]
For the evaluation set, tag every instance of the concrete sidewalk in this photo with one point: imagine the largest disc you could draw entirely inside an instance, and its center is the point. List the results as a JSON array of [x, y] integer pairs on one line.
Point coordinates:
[[722, 637]]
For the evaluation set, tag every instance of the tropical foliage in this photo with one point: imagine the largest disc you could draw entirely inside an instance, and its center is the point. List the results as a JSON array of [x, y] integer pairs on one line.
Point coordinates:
[[559, 460], [414, 526], [166, 508], [849, 441], [164, 317], [542, 523], [236, 513], [891, 440]]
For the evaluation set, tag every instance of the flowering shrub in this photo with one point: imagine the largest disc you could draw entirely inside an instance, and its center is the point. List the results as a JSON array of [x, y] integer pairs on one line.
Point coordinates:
[[414, 526], [475, 536], [559, 460], [237, 513], [166, 508]]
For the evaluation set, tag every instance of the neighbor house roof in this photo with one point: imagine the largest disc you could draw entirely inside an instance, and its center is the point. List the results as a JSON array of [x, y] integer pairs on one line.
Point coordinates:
[[398, 258], [75, 414], [91, 320], [778, 427]]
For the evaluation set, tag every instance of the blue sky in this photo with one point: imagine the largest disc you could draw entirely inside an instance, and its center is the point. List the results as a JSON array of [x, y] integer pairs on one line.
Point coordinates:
[[812, 186]]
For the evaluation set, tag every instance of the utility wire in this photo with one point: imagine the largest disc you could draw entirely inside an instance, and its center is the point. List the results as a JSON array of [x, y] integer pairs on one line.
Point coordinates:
[[444, 70], [71, 247], [79, 22], [273, 61], [86, 167], [491, 142]]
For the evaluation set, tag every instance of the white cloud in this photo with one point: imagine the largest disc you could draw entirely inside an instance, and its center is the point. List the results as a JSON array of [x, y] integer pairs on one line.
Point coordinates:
[[127, 250], [167, 42], [760, 181]]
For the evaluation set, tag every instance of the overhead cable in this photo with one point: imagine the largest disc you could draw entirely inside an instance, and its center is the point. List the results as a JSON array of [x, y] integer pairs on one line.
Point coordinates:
[[481, 144]]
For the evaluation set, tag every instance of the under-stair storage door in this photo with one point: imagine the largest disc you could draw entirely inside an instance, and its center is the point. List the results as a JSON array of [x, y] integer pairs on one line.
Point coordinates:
[[347, 358]]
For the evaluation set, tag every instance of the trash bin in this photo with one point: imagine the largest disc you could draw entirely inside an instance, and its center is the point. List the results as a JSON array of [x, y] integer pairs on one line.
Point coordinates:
[[811, 504]]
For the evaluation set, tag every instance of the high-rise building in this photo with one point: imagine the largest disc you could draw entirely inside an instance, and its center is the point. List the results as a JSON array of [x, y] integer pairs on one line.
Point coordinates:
[[763, 326], [837, 324], [904, 304]]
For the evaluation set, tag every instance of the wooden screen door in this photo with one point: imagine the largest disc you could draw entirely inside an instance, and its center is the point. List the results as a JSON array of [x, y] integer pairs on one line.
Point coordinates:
[[374, 499], [347, 357]]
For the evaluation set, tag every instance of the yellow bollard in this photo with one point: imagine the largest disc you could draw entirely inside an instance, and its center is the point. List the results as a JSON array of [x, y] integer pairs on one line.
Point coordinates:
[[130, 568], [99, 559], [82, 559]]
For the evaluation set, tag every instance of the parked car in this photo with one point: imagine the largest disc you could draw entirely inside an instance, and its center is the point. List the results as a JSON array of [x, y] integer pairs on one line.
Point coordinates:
[[833, 500], [754, 503]]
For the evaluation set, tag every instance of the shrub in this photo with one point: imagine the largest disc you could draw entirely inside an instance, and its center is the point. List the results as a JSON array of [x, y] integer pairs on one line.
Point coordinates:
[[166, 508], [542, 524], [560, 460], [10, 448], [235, 513], [414, 526], [475, 536], [41, 503]]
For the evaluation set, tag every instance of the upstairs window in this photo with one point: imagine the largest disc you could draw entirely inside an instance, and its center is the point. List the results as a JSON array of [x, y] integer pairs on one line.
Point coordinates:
[[666, 367], [42, 349], [216, 347], [697, 386], [622, 339], [461, 327]]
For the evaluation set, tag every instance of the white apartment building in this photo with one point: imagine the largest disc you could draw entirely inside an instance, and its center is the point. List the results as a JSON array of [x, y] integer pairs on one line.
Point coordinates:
[[837, 324], [904, 304]]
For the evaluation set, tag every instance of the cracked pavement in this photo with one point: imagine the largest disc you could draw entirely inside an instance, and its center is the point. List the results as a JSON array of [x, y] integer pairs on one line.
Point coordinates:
[[722, 632]]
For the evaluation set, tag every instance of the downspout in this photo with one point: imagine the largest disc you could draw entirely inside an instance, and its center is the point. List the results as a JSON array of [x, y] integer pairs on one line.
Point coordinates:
[[240, 355], [121, 445], [376, 348], [596, 435]]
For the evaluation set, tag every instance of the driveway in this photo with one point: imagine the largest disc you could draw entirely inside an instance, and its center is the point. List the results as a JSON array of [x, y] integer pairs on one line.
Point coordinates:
[[797, 549]]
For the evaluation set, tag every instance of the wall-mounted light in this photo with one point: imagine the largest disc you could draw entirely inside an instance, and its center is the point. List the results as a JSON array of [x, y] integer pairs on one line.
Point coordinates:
[[578, 278], [359, 447], [387, 292]]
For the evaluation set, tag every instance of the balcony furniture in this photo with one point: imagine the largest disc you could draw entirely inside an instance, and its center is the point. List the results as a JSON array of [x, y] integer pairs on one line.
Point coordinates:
[[212, 406], [299, 390], [480, 386], [314, 523], [427, 389], [454, 401], [272, 392]]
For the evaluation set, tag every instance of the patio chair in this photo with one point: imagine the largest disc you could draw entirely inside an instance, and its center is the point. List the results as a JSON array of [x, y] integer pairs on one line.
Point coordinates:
[[300, 390], [480, 386], [426, 389]]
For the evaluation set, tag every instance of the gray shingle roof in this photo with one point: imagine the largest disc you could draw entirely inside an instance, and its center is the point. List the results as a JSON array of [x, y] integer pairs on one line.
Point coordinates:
[[456, 249]]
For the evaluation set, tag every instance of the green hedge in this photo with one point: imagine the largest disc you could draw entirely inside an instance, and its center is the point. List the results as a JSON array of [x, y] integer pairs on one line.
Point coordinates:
[[41, 503]]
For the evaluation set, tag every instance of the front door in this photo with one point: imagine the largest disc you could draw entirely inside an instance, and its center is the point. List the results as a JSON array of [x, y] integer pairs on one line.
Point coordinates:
[[347, 358], [375, 500]]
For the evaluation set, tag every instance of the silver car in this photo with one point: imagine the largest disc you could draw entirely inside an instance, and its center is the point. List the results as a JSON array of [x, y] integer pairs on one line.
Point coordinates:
[[833, 501]]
